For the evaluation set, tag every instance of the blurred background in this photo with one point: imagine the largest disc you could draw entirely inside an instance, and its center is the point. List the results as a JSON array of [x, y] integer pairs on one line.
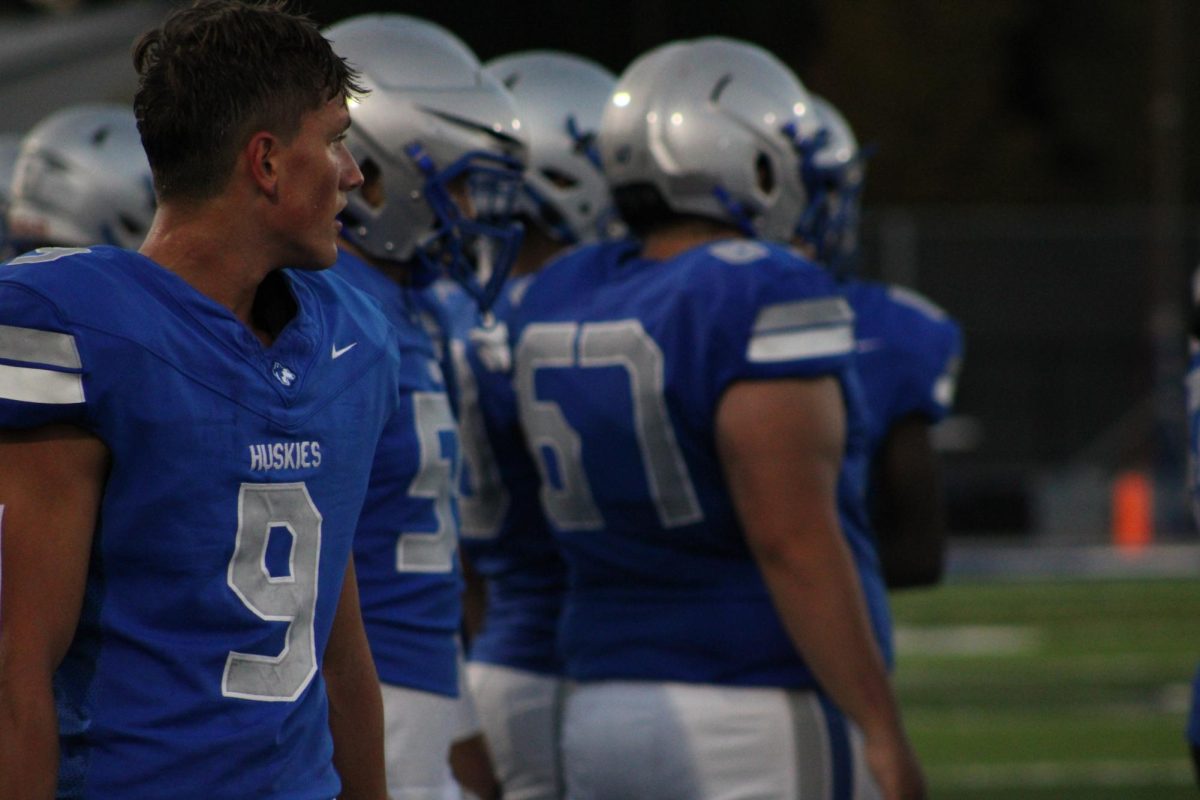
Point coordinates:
[[1035, 175]]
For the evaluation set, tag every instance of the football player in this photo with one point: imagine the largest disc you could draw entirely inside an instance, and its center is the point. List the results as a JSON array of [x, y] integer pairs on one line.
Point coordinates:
[[515, 673], [182, 463], [434, 131], [82, 178], [690, 400], [909, 353]]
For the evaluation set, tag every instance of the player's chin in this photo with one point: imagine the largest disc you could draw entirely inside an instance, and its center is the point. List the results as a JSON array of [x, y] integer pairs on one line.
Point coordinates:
[[330, 251], [319, 258]]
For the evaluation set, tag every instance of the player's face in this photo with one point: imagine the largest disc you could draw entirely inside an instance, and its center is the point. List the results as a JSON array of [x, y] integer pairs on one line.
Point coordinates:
[[460, 193], [318, 171]]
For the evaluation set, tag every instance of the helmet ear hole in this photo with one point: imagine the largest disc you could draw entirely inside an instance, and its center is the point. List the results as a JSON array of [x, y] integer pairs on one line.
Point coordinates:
[[132, 226], [558, 178], [764, 173]]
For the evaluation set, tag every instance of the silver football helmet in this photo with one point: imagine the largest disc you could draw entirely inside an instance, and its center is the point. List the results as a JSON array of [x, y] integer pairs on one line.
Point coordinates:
[[560, 98], [840, 164], [10, 146], [82, 178], [433, 124], [713, 127]]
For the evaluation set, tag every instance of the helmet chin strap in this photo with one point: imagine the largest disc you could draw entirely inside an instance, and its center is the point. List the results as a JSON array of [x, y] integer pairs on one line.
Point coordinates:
[[741, 214], [584, 142]]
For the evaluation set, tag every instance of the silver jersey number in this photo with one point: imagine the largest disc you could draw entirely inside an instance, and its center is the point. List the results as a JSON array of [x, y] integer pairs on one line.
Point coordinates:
[[625, 344], [290, 598], [431, 552]]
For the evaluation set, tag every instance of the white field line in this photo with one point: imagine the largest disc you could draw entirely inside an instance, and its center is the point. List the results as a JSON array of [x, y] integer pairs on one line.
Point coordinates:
[[1049, 774], [968, 640]]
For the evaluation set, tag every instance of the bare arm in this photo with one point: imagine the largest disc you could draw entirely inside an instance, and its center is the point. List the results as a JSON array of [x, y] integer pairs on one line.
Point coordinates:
[[355, 705], [781, 445], [910, 509], [471, 764], [51, 481]]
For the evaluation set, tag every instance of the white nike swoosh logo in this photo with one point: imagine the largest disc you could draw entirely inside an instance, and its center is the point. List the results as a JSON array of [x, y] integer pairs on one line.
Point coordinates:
[[335, 352]]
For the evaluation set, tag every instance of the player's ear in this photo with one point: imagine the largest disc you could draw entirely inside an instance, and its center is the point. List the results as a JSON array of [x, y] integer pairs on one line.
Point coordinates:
[[262, 153]]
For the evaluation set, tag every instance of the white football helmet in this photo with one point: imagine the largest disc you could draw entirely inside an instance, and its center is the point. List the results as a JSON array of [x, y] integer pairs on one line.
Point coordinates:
[[82, 178], [560, 98], [433, 122], [832, 224], [10, 146], [712, 127]]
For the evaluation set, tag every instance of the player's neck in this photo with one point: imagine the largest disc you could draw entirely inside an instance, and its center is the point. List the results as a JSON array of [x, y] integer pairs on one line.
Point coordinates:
[[536, 249], [198, 245], [668, 241]]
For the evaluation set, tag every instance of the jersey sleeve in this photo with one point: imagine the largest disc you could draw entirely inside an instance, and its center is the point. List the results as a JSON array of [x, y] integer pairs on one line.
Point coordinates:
[[771, 319], [932, 349], [42, 374]]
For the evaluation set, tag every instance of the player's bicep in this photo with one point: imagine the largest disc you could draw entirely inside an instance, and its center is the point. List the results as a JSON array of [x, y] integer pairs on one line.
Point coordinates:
[[781, 445], [51, 482]]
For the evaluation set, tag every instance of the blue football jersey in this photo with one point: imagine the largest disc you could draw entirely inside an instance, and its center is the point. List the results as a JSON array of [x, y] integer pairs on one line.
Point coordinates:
[[908, 354], [406, 552], [503, 531], [226, 524], [620, 363]]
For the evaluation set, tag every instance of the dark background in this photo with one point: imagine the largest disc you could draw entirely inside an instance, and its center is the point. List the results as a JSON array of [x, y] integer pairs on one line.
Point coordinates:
[[992, 101], [1035, 175], [979, 101]]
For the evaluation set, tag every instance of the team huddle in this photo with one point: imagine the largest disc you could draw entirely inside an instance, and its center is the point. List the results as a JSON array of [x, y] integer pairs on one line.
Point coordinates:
[[377, 422]]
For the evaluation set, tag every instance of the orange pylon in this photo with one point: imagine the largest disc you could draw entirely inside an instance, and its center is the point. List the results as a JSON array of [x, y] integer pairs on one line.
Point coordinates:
[[1132, 510]]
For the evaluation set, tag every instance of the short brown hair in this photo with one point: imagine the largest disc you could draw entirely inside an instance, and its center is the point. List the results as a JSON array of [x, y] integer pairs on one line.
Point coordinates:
[[216, 72]]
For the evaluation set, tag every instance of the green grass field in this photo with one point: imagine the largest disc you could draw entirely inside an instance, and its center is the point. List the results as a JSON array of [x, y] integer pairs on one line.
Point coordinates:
[[1038, 690]]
